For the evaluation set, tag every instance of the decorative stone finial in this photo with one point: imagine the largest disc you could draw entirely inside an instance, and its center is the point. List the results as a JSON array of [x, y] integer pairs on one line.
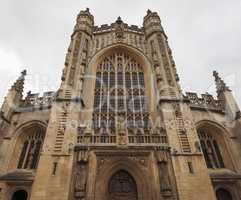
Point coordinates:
[[220, 84], [119, 20], [24, 72], [149, 11], [19, 84]]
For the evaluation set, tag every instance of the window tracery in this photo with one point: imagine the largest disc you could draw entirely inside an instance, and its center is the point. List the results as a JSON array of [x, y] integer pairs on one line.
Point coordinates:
[[122, 79], [120, 112], [211, 150], [32, 142]]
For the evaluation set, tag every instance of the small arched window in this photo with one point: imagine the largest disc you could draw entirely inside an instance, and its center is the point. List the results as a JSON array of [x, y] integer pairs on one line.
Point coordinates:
[[30, 147]]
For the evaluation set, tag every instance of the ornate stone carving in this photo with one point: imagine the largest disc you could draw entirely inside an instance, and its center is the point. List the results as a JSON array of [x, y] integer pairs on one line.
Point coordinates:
[[101, 162], [81, 174], [83, 155], [165, 184], [140, 160], [206, 102], [80, 181], [74, 59], [119, 30], [165, 60], [106, 158]]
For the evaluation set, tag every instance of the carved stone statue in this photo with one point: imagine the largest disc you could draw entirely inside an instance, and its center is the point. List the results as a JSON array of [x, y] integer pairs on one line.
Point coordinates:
[[81, 177], [80, 181], [165, 184]]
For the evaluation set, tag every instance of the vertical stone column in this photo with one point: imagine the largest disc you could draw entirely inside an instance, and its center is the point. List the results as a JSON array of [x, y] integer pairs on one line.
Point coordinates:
[[53, 176], [176, 115], [190, 170], [161, 56]]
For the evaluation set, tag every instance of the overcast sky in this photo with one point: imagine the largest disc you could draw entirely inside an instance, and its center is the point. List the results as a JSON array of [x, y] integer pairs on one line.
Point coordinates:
[[204, 36]]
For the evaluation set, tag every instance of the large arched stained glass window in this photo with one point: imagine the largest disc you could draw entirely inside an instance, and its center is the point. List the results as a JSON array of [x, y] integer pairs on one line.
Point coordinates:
[[120, 93]]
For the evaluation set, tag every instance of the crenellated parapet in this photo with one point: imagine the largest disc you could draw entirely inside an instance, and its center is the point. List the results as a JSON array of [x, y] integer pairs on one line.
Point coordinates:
[[33, 101], [118, 32], [109, 28], [205, 102]]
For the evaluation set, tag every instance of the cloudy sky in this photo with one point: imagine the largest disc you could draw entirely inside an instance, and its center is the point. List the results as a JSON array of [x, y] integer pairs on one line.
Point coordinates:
[[204, 36]]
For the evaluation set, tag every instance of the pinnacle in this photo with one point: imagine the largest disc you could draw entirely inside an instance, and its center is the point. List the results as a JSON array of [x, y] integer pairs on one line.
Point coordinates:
[[24, 72], [119, 20], [149, 11], [220, 84], [19, 84]]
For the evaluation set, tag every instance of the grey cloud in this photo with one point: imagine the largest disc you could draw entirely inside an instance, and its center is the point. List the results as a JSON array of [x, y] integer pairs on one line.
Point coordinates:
[[204, 35]]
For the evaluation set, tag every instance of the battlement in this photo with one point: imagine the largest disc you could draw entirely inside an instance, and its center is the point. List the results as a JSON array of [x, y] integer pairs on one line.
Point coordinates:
[[33, 101], [108, 28], [206, 102]]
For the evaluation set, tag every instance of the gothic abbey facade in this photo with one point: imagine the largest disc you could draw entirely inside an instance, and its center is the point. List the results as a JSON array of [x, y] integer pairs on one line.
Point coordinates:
[[119, 126]]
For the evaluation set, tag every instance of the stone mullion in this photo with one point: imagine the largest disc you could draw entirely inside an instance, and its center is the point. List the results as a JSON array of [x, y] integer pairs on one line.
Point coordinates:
[[28, 158], [124, 89], [132, 99], [139, 95], [210, 157], [108, 96], [215, 155], [125, 106], [101, 95], [127, 61], [26, 153], [116, 94]]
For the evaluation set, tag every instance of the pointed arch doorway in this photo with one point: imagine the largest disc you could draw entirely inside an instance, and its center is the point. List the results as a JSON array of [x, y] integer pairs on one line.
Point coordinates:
[[223, 194], [122, 186], [20, 195]]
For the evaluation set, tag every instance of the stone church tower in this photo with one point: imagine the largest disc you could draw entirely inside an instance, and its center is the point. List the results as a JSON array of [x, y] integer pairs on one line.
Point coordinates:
[[119, 126]]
